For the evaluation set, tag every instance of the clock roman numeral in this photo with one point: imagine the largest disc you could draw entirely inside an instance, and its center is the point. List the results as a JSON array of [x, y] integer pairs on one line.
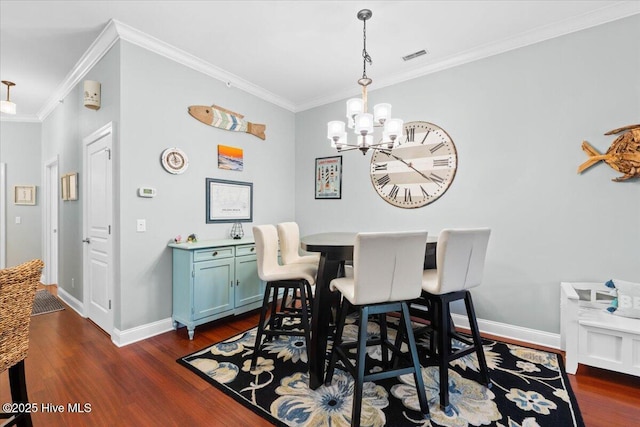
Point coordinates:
[[380, 166], [424, 192], [437, 179], [394, 191], [441, 162], [383, 180], [436, 147], [425, 137], [411, 134], [407, 194]]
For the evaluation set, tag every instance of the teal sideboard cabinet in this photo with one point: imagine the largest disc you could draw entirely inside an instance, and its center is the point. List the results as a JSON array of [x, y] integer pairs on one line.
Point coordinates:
[[213, 279]]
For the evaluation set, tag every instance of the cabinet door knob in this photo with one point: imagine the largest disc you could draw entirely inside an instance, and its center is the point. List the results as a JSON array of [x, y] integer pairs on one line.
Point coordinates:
[[253, 249], [214, 253], [237, 282]]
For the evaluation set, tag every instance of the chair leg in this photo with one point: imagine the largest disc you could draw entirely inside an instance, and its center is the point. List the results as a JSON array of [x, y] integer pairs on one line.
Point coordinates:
[[305, 319], [360, 367], [383, 340], [444, 346], [263, 315], [413, 350], [477, 340], [18, 385], [342, 318]]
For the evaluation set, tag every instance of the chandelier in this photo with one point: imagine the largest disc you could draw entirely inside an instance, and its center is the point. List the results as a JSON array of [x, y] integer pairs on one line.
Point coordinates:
[[8, 106], [359, 119]]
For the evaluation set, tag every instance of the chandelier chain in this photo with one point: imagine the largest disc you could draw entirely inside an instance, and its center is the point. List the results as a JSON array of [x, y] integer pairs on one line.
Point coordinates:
[[365, 55]]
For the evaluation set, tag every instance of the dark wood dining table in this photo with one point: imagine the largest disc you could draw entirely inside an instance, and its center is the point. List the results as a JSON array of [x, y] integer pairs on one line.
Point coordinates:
[[334, 248]]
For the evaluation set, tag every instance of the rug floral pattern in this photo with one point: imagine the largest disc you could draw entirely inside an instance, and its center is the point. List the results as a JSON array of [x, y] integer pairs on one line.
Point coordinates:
[[529, 387]]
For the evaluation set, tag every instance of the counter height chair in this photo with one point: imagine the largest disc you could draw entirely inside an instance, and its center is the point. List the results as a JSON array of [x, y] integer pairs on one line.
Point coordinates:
[[17, 291], [289, 238], [387, 272], [460, 260], [296, 277]]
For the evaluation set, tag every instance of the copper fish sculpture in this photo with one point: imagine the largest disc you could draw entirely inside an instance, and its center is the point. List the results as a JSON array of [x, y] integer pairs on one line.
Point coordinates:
[[225, 119], [623, 155]]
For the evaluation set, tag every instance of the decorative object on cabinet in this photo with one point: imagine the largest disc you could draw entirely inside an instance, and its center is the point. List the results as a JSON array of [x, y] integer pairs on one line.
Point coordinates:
[[623, 155], [177, 239], [92, 94], [328, 177], [228, 201], [230, 158], [222, 118], [418, 170], [214, 279], [24, 195], [174, 160], [192, 238], [361, 121], [236, 231], [7, 106]]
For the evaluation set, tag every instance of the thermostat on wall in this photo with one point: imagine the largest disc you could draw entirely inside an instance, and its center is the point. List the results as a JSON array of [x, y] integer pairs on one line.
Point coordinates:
[[146, 192]]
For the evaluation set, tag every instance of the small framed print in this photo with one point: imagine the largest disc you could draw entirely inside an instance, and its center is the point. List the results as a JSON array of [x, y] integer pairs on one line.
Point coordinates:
[[230, 158], [229, 201], [24, 195], [328, 177], [69, 186], [73, 186]]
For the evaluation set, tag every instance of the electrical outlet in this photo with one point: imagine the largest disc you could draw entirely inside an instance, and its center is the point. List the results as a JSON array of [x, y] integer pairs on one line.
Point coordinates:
[[141, 225], [18, 220]]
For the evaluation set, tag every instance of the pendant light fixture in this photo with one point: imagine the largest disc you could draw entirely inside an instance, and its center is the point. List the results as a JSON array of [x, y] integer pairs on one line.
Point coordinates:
[[359, 119], [8, 106]]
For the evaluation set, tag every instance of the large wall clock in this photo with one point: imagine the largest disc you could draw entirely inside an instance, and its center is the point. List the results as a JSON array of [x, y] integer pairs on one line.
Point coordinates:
[[418, 170]]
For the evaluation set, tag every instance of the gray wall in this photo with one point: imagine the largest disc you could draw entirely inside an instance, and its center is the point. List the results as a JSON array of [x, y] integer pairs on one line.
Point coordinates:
[[62, 134], [155, 95], [518, 120], [20, 150]]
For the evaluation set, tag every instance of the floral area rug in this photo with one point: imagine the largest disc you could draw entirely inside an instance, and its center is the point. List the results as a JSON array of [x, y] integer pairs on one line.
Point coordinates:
[[530, 387]]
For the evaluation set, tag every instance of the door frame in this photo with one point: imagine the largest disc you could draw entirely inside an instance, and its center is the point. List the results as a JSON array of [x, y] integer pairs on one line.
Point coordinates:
[[50, 204], [107, 129]]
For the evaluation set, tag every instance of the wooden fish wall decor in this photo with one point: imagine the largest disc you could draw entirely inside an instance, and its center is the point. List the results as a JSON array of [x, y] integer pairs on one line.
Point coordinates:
[[225, 119], [623, 155]]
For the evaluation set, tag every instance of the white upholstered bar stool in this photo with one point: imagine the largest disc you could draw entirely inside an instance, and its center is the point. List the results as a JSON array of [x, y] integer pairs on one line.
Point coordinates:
[[387, 272], [279, 277], [460, 257], [289, 237]]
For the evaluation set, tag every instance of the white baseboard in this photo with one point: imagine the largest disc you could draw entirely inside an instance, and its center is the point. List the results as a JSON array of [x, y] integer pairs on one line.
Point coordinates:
[[139, 333], [519, 333], [71, 301]]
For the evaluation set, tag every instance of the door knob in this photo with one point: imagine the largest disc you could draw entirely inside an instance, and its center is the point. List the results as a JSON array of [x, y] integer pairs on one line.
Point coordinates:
[[87, 240]]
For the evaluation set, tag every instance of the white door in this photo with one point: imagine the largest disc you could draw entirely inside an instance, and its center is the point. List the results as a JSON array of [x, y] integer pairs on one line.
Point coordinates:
[[97, 219], [3, 217], [51, 222]]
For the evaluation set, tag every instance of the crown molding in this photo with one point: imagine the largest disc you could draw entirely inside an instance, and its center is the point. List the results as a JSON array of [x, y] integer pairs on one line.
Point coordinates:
[[159, 47], [587, 20]]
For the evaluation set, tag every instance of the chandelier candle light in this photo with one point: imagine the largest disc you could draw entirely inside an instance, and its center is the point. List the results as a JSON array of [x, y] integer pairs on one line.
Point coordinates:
[[8, 106], [359, 119]]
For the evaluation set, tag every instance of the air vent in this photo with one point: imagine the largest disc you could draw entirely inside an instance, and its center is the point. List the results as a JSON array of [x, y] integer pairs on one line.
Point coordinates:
[[414, 55]]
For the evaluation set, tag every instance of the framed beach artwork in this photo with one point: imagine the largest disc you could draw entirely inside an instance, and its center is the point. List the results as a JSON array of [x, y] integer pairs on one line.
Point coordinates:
[[328, 177], [229, 201], [230, 158]]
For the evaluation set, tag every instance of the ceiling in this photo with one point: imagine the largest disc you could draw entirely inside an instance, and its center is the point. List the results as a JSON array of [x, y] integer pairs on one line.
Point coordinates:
[[299, 54]]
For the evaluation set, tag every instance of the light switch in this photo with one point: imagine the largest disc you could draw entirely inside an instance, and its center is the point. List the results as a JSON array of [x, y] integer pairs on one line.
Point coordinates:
[[18, 220], [141, 225]]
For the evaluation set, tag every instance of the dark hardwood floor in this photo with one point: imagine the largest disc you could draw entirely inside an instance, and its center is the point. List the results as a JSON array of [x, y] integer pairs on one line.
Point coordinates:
[[71, 361]]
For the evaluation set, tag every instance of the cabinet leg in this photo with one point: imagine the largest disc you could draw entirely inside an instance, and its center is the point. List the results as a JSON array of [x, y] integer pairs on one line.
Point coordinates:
[[174, 324], [191, 333]]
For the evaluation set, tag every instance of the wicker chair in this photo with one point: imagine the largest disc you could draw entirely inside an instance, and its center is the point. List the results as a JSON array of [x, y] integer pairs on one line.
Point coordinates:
[[17, 291]]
